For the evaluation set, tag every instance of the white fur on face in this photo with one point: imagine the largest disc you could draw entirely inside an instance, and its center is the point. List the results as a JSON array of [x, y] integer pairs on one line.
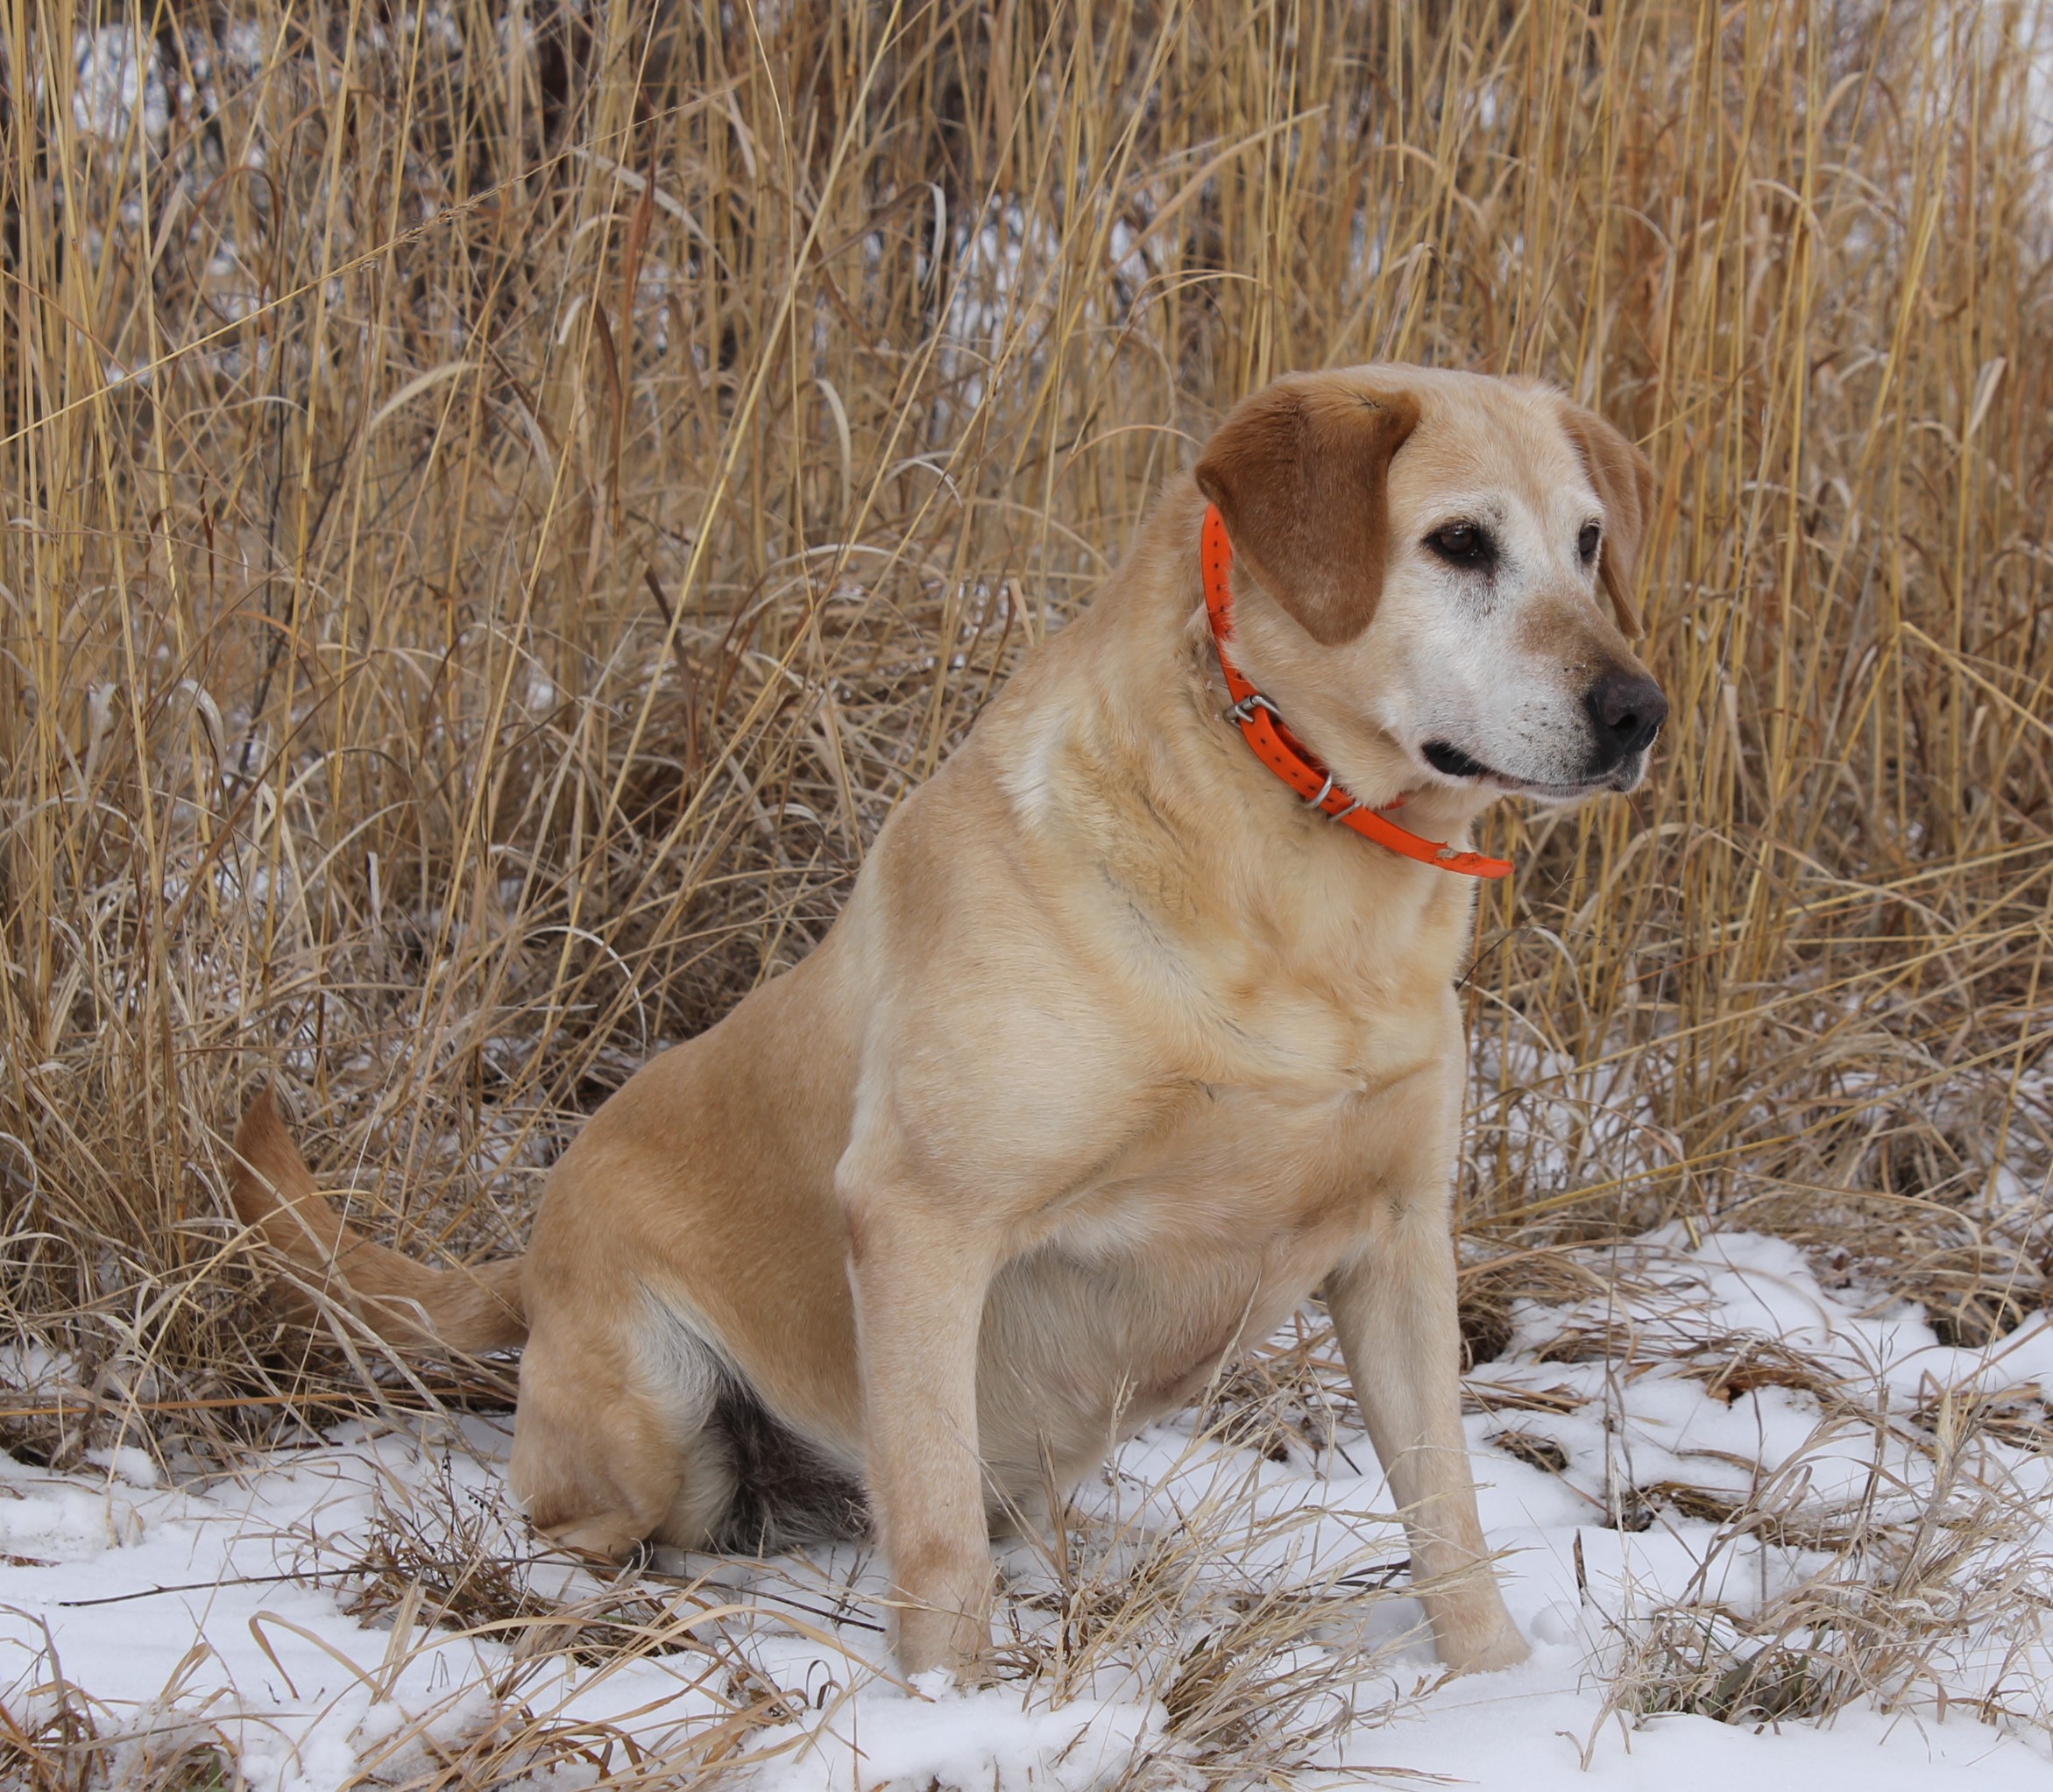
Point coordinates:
[[1470, 679], [1488, 669], [1496, 661]]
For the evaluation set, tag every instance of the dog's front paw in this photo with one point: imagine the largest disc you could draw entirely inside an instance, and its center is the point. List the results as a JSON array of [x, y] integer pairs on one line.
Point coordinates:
[[930, 1641], [1503, 1648]]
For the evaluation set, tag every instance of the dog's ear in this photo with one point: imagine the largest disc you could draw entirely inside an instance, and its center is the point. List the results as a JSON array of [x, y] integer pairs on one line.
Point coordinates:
[[1300, 472], [1623, 478]]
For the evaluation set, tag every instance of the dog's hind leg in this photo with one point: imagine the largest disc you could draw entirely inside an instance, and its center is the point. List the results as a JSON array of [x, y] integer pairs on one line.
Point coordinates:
[[614, 1443]]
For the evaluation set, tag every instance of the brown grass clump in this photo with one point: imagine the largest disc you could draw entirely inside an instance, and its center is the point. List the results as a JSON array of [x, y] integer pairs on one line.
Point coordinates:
[[500, 503], [1903, 1603], [55, 1737], [438, 1557]]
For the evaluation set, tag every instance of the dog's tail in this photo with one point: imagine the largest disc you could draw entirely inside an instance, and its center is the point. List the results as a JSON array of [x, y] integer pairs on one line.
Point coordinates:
[[406, 1303]]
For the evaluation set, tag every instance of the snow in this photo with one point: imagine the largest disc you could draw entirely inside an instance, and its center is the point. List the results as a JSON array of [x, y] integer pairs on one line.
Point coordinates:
[[238, 1608]]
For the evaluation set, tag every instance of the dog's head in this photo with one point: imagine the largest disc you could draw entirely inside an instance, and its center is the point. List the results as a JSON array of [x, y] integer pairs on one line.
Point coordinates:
[[1446, 561]]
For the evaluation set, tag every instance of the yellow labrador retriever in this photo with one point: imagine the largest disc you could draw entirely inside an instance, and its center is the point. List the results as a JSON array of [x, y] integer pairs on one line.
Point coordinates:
[[1139, 1028]]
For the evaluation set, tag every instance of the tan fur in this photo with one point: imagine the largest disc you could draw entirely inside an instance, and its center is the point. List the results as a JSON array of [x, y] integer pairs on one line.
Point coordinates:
[[1116, 1054], [469, 1311], [1623, 478]]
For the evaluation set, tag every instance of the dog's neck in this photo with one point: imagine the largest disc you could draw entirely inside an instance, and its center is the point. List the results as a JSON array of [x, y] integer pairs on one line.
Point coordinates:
[[1116, 735], [1393, 784]]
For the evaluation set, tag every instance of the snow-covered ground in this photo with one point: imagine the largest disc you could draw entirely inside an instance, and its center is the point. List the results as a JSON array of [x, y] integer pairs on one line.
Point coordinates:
[[1706, 1443]]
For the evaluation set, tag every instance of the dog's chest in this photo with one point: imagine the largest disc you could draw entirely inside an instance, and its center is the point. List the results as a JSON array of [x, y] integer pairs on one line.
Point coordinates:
[[1293, 1016], [1242, 1175], [1299, 980], [1307, 1037]]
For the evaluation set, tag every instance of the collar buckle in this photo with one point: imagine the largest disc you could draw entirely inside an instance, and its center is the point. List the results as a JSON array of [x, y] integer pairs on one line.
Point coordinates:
[[1243, 712]]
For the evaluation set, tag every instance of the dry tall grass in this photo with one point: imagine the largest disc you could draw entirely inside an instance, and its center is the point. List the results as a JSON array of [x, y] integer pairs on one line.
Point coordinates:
[[501, 501]]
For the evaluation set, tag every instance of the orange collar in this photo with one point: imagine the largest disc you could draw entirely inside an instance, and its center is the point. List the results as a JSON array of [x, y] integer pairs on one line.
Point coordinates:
[[1278, 748]]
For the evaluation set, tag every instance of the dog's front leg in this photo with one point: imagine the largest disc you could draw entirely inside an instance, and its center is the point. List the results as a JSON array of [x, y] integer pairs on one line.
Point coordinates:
[[1394, 1308], [919, 1281]]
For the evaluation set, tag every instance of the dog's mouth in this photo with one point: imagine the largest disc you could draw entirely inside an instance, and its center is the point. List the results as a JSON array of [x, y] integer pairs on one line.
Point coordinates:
[[1450, 761]]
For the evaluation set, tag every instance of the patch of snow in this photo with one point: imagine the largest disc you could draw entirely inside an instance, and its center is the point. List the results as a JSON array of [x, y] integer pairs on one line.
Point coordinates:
[[124, 1578]]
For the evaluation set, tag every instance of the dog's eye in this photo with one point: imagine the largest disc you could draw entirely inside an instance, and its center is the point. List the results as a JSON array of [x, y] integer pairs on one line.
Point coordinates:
[[1463, 545], [1586, 542]]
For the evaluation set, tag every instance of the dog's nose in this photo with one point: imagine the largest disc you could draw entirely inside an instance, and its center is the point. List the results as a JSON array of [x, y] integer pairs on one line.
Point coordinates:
[[1628, 710]]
